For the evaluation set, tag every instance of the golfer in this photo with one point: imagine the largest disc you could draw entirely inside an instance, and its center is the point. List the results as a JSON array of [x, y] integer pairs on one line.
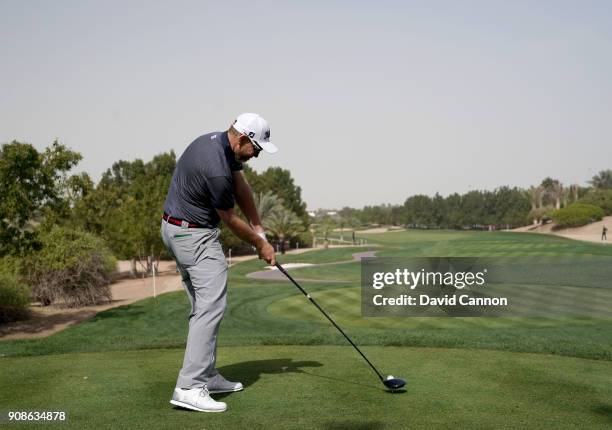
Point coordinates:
[[206, 183]]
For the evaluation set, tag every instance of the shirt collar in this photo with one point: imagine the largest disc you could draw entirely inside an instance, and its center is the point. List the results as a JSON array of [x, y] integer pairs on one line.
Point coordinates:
[[229, 153]]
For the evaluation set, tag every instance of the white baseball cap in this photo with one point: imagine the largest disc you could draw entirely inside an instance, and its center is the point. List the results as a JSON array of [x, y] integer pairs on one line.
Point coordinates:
[[256, 129]]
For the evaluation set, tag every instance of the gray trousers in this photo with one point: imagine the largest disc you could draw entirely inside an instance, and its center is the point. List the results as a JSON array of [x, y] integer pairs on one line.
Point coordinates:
[[200, 260]]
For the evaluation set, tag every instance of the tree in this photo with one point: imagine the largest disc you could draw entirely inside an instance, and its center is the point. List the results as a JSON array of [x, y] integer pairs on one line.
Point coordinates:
[[266, 203], [126, 207], [31, 183], [552, 191], [382, 214], [574, 191], [454, 217], [279, 182], [558, 191], [438, 211], [73, 189], [283, 224], [599, 197], [418, 211], [602, 180], [350, 217], [472, 205], [511, 207], [536, 195]]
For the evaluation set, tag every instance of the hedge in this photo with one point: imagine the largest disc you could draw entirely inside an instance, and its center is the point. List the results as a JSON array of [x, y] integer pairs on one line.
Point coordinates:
[[576, 215]]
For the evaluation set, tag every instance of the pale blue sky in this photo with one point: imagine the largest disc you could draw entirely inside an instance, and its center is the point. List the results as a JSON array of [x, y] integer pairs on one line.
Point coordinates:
[[369, 102]]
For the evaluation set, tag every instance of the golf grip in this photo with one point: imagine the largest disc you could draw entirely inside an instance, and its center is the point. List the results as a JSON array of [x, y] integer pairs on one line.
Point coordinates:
[[329, 318]]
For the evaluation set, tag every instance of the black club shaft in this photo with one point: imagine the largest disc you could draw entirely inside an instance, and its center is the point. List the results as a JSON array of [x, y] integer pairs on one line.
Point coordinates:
[[329, 318]]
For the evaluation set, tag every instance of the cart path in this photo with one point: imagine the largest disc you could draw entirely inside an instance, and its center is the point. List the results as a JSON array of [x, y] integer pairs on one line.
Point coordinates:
[[46, 321], [50, 320], [274, 274]]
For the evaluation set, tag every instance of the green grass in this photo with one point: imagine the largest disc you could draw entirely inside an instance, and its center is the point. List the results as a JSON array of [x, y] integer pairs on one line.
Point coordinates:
[[325, 387], [320, 256], [345, 305], [462, 372]]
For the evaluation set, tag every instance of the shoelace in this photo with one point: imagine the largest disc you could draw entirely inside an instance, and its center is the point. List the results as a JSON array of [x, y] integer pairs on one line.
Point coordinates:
[[205, 391]]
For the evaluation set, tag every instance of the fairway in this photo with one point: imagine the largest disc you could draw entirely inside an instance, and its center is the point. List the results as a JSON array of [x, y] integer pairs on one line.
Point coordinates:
[[298, 371]]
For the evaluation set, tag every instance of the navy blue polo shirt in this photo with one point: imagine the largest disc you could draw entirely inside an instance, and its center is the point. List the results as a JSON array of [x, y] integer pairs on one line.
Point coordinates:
[[202, 181]]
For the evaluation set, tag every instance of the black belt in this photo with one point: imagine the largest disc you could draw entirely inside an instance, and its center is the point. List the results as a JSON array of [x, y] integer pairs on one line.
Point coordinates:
[[180, 222]]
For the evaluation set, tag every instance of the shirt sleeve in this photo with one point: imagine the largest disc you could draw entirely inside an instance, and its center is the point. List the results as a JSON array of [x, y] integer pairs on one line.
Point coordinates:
[[221, 192]]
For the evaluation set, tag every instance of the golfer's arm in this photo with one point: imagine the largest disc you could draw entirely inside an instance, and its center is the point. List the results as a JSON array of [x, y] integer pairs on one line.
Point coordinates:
[[240, 228], [244, 198]]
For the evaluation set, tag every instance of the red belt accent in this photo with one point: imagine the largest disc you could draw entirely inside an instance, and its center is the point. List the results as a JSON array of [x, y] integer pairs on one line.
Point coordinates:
[[179, 222]]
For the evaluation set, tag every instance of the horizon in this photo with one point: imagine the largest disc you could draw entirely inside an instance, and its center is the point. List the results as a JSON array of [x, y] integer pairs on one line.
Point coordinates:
[[583, 184], [368, 105]]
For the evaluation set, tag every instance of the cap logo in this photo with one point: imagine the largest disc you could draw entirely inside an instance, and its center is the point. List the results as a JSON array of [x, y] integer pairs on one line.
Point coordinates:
[[267, 135]]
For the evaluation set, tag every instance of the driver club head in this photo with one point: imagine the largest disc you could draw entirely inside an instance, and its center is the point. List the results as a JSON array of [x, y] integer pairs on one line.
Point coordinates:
[[394, 383]]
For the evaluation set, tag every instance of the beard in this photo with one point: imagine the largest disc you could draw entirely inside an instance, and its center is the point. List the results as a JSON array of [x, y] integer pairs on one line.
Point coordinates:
[[241, 158]]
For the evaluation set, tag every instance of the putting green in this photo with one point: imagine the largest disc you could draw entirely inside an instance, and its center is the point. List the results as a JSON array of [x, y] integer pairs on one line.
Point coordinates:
[[319, 387]]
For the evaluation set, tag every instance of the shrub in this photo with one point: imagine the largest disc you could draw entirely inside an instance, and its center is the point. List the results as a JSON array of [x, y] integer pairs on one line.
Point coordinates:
[[599, 197], [72, 269], [576, 215], [542, 215], [304, 238], [11, 265], [14, 298]]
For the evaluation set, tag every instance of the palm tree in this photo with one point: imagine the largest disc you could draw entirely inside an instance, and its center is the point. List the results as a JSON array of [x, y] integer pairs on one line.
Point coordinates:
[[552, 190], [267, 203], [566, 193], [536, 195], [283, 224], [602, 180], [557, 192], [574, 191]]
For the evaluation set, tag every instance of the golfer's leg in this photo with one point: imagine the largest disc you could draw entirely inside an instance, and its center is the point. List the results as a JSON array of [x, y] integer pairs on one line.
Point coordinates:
[[208, 278], [166, 234], [186, 281]]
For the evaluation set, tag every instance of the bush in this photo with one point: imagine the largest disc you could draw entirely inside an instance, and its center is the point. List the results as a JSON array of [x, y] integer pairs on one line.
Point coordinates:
[[304, 238], [601, 198], [72, 269], [14, 298], [11, 265], [576, 215]]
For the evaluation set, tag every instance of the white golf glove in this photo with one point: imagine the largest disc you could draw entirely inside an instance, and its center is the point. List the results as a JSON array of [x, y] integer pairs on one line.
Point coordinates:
[[261, 234]]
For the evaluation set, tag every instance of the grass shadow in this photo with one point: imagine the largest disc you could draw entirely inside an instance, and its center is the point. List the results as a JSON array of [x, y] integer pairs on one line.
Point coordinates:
[[343, 381], [605, 410], [132, 311], [249, 372], [353, 425]]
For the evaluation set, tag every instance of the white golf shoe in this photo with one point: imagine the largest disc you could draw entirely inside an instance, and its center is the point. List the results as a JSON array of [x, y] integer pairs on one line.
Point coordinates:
[[196, 399], [218, 384]]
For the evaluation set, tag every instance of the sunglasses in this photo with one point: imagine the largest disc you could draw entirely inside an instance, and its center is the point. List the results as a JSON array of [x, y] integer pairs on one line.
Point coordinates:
[[256, 146]]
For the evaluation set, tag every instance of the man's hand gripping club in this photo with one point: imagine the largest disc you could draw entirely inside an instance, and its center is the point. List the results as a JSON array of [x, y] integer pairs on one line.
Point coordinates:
[[245, 232]]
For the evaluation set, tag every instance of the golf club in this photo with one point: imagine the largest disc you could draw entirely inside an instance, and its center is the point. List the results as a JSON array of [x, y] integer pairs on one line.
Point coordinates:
[[390, 381]]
